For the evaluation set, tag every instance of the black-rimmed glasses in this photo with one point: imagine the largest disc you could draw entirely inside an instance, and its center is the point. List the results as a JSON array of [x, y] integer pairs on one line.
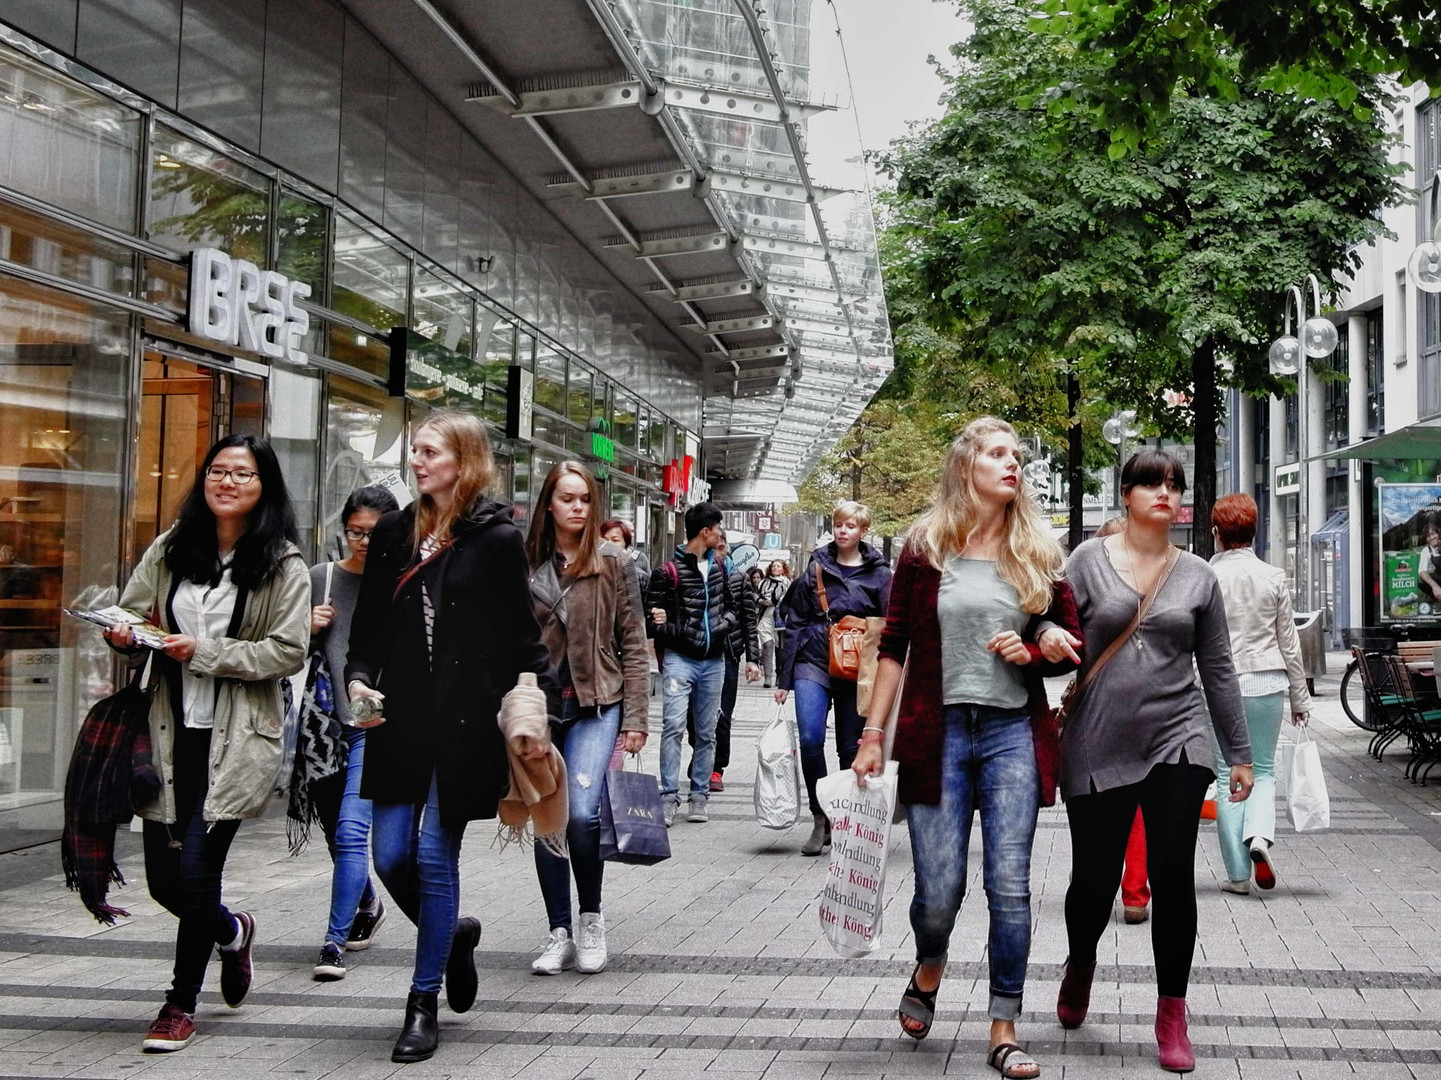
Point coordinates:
[[239, 477]]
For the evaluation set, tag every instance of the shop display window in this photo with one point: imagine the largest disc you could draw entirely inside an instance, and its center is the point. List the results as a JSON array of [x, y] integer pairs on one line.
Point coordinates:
[[302, 229], [64, 381], [66, 144], [624, 426], [440, 368], [43, 244], [498, 340], [199, 197], [550, 379], [370, 282], [365, 443]]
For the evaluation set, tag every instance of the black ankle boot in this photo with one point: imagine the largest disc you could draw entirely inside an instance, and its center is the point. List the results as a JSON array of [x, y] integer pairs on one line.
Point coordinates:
[[420, 1034]]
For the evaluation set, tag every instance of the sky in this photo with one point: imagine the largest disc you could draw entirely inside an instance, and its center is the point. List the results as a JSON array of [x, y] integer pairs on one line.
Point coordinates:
[[887, 42]]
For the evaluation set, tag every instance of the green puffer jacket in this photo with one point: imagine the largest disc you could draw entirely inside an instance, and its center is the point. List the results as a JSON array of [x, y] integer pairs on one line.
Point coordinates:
[[272, 643]]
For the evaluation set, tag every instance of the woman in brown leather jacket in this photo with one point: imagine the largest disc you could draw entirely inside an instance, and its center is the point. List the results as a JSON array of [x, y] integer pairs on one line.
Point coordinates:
[[587, 602]]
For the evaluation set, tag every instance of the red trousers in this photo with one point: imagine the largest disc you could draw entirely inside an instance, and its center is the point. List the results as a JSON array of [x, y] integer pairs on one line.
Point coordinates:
[[1135, 892]]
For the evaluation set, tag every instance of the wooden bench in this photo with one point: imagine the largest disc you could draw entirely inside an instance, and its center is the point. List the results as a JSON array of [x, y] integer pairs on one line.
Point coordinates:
[[1413, 652]]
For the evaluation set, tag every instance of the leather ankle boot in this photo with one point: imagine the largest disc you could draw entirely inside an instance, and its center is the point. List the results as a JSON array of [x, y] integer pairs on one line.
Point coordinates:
[[1074, 1000], [420, 1034], [819, 841], [1172, 1042]]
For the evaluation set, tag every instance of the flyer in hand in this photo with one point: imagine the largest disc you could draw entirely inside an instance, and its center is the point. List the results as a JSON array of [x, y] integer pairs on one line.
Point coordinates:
[[145, 633]]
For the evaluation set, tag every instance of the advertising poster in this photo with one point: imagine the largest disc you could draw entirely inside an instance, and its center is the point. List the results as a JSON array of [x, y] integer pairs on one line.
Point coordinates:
[[1410, 517]]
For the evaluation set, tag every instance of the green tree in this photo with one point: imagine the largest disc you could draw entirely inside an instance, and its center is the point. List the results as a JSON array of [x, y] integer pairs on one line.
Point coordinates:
[[1039, 247], [1144, 50]]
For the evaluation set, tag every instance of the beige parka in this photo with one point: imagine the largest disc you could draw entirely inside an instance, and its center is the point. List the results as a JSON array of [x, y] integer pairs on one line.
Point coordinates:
[[245, 745]]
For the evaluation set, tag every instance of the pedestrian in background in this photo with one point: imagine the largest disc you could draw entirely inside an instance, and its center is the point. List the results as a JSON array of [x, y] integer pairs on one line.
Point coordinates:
[[1137, 737], [356, 910], [692, 613], [1267, 652], [588, 606], [770, 591], [741, 644], [619, 532], [856, 580], [442, 631], [980, 606], [228, 585]]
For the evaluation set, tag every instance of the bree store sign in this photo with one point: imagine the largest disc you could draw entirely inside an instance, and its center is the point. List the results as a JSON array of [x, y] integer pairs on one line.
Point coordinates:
[[233, 302]]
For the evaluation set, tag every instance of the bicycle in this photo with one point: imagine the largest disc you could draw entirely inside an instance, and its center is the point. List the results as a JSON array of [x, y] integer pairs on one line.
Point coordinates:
[[1353, 698]]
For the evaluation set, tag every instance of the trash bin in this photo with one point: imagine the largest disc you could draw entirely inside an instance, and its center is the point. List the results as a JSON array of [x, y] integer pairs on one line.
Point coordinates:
[[1313, 644]]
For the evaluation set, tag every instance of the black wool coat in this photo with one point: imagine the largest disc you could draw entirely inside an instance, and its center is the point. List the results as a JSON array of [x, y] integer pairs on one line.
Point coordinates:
[[440, 711]]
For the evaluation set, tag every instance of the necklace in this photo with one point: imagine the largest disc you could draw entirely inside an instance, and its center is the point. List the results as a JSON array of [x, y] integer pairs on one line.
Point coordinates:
[[1136, 578]]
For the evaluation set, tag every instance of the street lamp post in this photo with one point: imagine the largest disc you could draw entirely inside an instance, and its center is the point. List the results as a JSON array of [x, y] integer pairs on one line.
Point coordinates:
[[1290, 356], [1120, 427]]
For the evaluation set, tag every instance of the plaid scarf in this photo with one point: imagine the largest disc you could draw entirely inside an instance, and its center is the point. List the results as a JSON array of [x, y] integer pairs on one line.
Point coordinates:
[[320, 751], [111, 772]]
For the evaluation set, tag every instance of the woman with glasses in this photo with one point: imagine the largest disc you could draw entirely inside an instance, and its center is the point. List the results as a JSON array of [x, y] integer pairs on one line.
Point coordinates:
[[229, 587], [356, 910]]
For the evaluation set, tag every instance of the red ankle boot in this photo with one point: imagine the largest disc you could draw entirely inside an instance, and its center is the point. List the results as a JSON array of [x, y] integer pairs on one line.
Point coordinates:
[[1075, 997], [1172, 1042]]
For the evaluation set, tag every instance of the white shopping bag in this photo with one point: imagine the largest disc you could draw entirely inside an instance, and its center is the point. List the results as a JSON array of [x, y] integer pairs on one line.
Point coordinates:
[[854, 895], [1285, 754], [1306, 796], [779, 788]]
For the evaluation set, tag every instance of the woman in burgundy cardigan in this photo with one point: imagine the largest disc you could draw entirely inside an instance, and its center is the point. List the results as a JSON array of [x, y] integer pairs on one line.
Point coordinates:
[[979, 603]]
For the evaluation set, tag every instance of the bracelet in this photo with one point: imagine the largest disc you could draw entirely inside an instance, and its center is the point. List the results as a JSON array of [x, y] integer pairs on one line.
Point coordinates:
[[880, 729]]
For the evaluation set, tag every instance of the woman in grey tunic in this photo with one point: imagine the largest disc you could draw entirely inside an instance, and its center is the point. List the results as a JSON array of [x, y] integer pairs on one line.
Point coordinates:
[[1137, 737]]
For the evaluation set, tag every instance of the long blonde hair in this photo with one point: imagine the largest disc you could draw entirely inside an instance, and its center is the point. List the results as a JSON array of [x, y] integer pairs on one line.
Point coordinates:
[[1030, 558], [463, 435], [540, 543]]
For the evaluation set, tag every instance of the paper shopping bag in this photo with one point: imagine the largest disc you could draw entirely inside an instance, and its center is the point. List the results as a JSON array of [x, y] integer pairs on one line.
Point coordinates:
[[632, 823], [1306, 796], [855, 892]]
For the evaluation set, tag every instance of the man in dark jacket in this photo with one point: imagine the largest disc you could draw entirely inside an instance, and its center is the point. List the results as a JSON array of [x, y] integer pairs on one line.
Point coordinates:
[[692, 615], [744, 642]]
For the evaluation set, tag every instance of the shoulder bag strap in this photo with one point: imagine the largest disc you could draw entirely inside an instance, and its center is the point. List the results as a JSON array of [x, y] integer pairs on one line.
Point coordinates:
[[329, 577], [821, 593], [1126, 634]]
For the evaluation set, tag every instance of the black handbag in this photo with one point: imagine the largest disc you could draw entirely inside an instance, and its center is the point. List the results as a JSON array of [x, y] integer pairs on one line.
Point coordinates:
[[632, 823]]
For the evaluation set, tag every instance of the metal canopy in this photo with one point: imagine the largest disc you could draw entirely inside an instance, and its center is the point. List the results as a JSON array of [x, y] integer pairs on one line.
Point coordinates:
[[696, 148]]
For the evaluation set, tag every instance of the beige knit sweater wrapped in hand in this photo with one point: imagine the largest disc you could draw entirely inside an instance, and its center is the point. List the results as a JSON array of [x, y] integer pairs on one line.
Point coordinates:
[[537, 806]]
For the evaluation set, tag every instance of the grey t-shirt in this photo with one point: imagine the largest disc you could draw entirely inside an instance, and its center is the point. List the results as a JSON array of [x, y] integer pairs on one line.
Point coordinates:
[[975, 604], [1145, 707], [334, 640]]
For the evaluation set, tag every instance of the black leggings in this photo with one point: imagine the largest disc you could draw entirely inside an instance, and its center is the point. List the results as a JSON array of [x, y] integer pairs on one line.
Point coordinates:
[[1170, 799]]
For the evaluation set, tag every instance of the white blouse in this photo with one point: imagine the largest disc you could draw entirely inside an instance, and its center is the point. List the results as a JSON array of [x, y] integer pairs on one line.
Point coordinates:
[[203, 611]]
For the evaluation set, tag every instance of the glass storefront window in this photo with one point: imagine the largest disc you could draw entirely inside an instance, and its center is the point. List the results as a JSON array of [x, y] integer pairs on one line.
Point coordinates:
[[443, 313], [370, 283], [64, 379], [580, 407], [497, 338], [623, 427], [39, 242], [66, 144], [301, 232], [294, 420], [364, 443], [550, 379], [201, 198], [440, 369]]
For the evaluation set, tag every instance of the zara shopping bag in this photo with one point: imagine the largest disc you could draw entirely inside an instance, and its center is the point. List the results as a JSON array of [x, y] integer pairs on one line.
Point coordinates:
[[632, 823], [779, 789], [855, 889], [1306, 796]]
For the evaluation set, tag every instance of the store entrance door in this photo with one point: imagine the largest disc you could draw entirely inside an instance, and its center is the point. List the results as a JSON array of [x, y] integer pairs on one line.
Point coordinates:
[[185, 406]]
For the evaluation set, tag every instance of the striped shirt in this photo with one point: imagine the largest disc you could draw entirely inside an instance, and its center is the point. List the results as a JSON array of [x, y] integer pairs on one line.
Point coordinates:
[[428, 547]]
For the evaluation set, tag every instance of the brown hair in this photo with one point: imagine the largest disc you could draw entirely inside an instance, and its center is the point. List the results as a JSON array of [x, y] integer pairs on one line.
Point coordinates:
[[464, 436], [1235, 519], [540, 542]]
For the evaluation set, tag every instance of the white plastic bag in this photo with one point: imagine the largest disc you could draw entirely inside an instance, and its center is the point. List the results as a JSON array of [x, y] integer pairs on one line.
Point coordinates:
[[778, 787], [1306, 796], [855, 891], [1285, 754]]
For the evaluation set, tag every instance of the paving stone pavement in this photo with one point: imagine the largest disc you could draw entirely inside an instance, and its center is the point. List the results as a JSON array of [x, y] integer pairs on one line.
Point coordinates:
[[719, 967]]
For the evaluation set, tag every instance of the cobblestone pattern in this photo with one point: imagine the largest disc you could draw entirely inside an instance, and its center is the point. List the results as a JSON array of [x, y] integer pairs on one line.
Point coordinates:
[[718, 964]]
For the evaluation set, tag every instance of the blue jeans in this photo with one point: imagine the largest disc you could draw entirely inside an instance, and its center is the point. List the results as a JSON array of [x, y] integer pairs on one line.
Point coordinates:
[[1237, 823], [988, 762], [418, 858], [586, 743], [813, 703], [692, 686], [347, 835]]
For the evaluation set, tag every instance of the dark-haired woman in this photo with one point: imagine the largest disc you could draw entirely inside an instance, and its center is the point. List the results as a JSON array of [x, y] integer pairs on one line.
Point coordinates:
[[1137, 737], [442, 631], [356, 910], [228, 585], [618, 532], [588, 607]]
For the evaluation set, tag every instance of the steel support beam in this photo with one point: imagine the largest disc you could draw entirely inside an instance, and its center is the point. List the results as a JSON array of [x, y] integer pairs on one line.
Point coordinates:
[[739, 325], [570, 99], [640, 182], [664, 247]]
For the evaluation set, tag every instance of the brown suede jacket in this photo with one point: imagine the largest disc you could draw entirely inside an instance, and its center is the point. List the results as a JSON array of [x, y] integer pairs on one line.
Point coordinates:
[[600, 631]]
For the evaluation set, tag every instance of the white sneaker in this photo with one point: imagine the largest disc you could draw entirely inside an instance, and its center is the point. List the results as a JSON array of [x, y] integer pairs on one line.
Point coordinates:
[[558, 954], [590, 953]]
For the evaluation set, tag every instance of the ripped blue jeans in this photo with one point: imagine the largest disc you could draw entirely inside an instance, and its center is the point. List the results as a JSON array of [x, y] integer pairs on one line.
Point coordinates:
[[586, 742], [988, 763]]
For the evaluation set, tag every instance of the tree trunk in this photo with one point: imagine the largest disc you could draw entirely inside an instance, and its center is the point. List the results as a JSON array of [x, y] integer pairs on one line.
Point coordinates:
[[1075, 465], [1203, 381]]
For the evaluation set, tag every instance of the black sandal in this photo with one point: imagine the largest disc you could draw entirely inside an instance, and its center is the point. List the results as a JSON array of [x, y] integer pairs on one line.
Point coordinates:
[[1000, 1059], [918, 1005]]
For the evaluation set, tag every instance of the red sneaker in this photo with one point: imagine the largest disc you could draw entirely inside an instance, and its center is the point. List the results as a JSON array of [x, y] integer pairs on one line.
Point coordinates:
[[716, 783], [169, 1031]]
